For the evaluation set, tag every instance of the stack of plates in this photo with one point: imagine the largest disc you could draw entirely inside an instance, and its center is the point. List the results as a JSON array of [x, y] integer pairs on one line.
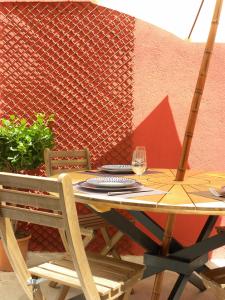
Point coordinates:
[[106, 184], [117, 168]]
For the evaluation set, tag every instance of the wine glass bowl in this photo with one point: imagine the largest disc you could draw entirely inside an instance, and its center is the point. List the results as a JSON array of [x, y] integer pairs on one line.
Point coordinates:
[[139, 161]]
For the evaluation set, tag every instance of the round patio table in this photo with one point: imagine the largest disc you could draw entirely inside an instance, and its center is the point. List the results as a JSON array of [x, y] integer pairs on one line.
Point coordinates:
[[191, 196]]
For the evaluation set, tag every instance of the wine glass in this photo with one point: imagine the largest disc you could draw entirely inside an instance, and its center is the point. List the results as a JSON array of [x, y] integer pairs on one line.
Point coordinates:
[[139, 161]]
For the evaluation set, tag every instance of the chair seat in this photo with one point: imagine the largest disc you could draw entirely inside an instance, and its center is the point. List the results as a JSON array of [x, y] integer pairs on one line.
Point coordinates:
[[217, 275], [110, 275], [91, 220]]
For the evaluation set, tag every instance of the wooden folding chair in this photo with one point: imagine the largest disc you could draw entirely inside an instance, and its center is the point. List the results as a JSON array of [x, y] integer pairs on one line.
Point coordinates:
[[57, 162], [216, 275], [99, 277]]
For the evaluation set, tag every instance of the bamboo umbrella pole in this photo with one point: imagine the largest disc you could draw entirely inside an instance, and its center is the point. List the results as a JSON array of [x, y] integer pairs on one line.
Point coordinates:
[[188, 136], [198, 92], [167, 236]]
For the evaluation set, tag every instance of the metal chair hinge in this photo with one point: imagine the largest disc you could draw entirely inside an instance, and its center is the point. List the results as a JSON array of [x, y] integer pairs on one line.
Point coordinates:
[[35, 281]]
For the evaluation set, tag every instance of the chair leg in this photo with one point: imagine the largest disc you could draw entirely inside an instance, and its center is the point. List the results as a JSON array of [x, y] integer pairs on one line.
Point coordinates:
[[38, 293], [126, 295], [87, 240], [110, 243], [64, 239], [115, 254], [89, 235], [64, 292], [179, 287]]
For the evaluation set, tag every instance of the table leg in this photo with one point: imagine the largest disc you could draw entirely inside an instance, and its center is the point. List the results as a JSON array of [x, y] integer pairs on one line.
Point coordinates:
[[153, 227], [175, 249], [196, 280], [127, 227], [164, 250], [158, 231], [179, 287]]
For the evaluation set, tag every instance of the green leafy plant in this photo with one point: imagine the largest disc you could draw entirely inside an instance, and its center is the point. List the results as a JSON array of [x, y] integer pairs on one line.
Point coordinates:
[[22, 144]]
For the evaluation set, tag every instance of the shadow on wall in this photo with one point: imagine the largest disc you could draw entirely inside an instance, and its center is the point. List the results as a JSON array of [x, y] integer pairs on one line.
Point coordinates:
[[159, 135], [121, 153]]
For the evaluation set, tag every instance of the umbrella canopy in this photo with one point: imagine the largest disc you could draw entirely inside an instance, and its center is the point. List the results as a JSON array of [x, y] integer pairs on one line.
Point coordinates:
[[174, 16]]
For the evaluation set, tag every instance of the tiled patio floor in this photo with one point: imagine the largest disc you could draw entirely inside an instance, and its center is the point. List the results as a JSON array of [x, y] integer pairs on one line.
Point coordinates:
[[10, 289]]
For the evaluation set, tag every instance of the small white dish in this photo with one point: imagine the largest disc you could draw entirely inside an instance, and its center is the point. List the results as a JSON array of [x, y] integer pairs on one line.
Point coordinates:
[[111, 181]]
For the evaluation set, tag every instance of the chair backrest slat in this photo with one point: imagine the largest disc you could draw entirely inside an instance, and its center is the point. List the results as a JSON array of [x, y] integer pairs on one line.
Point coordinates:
[[29, 199], [57, 172], [36, 195], [57, 162], [68, 153], [66, 162], [15, 181], [33, 216]]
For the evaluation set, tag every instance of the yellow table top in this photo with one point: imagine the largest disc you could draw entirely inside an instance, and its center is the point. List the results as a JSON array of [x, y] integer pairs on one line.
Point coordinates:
[[190, 196]]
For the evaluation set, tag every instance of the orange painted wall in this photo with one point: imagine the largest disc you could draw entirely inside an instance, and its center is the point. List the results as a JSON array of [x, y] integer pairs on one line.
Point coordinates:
[[165, 73], [167, 68]]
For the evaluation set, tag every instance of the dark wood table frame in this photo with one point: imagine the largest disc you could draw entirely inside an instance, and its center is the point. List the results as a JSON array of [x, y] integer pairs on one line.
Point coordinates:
[[187, 262], [190, 196]]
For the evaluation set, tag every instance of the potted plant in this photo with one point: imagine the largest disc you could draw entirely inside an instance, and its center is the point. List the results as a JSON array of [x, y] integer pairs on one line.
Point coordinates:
[[21, 150], [22, 144]]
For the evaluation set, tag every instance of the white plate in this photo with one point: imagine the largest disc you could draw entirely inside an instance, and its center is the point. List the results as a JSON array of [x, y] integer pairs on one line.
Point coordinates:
[[216, 192], [111, 181], [84, 185], [117, 168]]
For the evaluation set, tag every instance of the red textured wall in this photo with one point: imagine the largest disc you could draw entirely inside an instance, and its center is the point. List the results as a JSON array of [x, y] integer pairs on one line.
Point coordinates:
[[74, 60], [112, 84]]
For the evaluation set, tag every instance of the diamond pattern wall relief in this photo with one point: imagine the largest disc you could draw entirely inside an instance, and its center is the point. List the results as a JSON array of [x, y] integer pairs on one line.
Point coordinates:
[[75, 60]]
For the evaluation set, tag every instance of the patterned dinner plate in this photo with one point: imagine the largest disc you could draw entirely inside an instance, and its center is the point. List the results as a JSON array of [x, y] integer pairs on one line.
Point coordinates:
[[86, 186], [111, 181], [117, 168]]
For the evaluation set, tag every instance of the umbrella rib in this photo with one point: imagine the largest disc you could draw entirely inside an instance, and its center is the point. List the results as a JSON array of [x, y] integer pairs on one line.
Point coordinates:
[[196, 18]]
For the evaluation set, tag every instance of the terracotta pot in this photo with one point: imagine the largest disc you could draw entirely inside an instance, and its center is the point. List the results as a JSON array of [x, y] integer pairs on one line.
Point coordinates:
[[4, 262]]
